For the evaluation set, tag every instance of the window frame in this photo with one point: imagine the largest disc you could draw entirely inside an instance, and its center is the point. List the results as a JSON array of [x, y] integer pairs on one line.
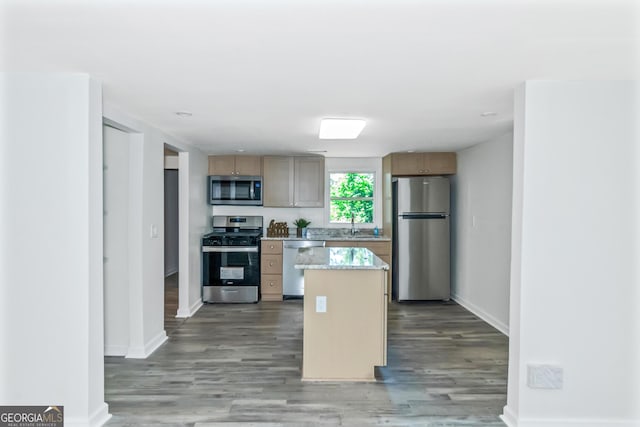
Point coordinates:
[[374, 198]]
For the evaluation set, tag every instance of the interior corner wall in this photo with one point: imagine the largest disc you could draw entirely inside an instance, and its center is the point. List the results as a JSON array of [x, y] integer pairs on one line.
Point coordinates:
[[147, 176], [193, 170], [481, 230], [116, 272], [51, 199], [153, 239], [576, 254], [199, 223]]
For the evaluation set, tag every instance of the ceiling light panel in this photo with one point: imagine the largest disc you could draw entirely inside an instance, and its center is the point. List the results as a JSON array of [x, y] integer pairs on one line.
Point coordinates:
[[341, 128]]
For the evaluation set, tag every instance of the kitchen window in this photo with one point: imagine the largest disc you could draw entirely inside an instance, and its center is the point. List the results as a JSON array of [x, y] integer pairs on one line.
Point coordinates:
[[351, 194]]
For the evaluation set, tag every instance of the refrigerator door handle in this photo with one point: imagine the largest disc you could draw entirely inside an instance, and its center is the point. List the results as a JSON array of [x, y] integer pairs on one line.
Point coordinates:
[[423, 215]]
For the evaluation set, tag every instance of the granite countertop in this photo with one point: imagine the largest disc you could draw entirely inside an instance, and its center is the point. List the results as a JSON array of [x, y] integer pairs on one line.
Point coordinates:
[[338, 259], [343, 234], [360, 238]]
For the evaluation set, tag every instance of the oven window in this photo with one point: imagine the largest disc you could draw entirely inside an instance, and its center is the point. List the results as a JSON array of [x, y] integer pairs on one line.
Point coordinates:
[[231, 268]]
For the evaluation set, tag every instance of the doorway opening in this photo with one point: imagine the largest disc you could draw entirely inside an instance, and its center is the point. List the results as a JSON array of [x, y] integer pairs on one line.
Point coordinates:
[[171, 239]]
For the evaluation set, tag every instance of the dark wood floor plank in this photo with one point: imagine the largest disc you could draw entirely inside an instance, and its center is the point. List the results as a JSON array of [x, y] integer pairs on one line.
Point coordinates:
[[240, 365]]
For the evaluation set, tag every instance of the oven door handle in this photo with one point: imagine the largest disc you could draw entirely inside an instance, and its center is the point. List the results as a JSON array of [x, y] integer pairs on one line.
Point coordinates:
[[229, 249]]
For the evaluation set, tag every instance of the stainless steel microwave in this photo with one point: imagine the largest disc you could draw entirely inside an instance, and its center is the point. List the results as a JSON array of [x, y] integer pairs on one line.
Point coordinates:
[[235, 190]]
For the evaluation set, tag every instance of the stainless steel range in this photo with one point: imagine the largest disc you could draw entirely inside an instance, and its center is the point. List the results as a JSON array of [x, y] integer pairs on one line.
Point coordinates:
[[231, 259]]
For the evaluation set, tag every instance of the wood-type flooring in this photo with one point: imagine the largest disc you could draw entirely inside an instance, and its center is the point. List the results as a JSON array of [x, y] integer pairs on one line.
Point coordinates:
[[240, 365], [171, 304]]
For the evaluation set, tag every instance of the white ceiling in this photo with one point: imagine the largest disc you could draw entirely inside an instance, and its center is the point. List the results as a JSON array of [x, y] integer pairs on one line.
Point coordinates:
[[259, 75]]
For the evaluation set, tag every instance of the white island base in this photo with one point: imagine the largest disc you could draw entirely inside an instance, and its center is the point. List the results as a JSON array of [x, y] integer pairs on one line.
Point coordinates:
[[345, 324]]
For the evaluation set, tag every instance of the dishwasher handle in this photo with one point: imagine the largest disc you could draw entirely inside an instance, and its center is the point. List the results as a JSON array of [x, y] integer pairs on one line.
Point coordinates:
[[297, 244]]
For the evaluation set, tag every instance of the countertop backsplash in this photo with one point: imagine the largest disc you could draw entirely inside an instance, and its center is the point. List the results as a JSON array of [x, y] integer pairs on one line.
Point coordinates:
[[317, 233]]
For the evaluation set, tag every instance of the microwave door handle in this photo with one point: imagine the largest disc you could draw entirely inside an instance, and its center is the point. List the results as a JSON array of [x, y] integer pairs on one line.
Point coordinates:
[[252, 192]]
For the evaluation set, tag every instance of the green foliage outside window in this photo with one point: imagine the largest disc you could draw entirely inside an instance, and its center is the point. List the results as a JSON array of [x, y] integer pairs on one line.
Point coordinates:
[[351, 194]]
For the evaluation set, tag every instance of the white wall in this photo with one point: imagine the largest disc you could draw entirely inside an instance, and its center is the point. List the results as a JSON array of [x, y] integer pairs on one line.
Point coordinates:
[[481, 230], [51, 247], [116, 241], [575, 294], [147, 251], [319, 217], [315, 215], [194, 166]]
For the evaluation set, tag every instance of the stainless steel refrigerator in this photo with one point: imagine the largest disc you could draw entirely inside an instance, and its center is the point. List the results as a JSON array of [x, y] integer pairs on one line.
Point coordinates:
[[421, 234]]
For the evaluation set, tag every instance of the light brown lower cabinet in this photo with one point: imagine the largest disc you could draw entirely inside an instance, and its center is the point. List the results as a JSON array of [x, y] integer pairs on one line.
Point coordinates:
[[271, 270], [271, 263], [271, 287]]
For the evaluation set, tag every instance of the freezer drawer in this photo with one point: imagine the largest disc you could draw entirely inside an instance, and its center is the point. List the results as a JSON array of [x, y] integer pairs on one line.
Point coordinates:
[[423, 194]]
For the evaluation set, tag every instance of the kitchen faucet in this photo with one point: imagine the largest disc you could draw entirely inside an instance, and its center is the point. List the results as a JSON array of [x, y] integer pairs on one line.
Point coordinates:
[[353, 226]]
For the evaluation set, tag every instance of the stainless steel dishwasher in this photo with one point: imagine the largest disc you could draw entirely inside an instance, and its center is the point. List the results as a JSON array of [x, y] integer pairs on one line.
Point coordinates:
[[293, 279]]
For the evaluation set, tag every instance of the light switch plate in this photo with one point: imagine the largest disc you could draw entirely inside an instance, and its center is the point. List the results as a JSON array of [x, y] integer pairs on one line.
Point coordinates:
[[321, 304], [544, 377]]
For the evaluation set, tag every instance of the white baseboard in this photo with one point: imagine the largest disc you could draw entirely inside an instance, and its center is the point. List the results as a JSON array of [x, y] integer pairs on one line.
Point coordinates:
[[573, 423], [149, 347], [508, 417], [115, 350], [97, 419], [482, 314], [196, 306], [511, 420], [100, 416], [183, 314]]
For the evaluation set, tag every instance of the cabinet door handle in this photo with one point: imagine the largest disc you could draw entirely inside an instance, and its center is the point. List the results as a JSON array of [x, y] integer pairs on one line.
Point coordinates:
[[271, 284], [270, 263]]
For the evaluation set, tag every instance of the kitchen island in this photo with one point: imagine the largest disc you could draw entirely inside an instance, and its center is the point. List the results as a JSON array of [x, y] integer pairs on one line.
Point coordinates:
[[345, 313]]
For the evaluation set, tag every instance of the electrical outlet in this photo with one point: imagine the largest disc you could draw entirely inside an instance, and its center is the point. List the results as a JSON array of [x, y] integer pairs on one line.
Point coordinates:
[[544, 377], [321, 304]]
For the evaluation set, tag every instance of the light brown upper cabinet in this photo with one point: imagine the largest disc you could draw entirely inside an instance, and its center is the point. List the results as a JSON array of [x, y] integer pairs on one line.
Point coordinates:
[[290, 182], [411, 164], [235, 165]]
